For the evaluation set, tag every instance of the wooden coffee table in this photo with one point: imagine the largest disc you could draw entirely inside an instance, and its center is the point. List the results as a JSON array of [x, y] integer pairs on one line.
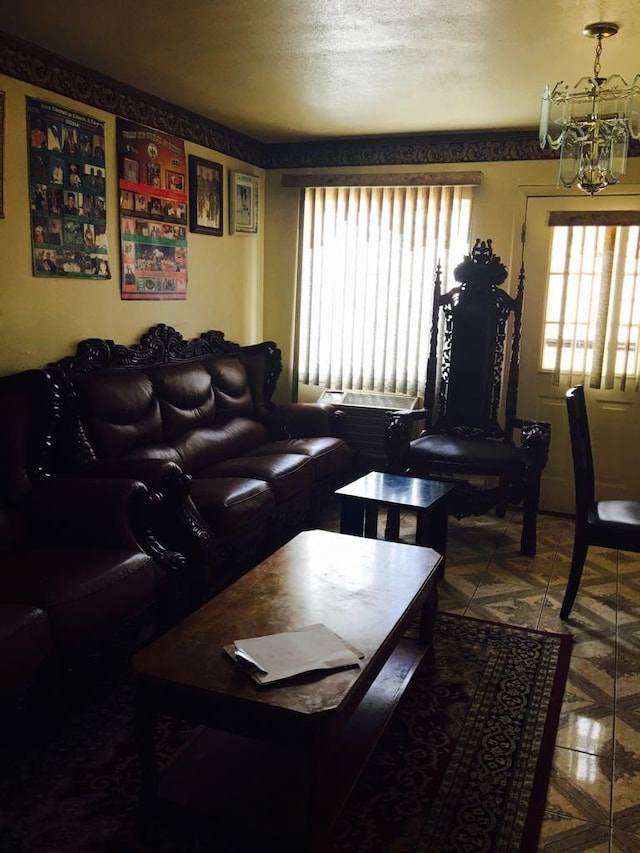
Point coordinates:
[[285, 757]]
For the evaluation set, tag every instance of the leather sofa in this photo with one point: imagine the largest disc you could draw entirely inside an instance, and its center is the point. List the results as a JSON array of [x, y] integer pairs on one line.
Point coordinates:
[[195, 419], [74, 577]]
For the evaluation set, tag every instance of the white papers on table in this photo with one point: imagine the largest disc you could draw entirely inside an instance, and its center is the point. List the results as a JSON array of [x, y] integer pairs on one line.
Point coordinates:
[[314, 647]]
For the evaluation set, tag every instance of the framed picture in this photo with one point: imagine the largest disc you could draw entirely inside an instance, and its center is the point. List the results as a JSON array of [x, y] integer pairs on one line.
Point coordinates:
[[174, 181], [205, 196], [2, 154], [243, 212], [131, 170]]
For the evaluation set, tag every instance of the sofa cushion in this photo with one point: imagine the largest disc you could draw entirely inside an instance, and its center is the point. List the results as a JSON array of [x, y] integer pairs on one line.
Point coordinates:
[[25, 644], [330, 455], [230, 503], [84, 592], [288, 474], [231, 388], [185, 397], [201, 448], [120, 412]]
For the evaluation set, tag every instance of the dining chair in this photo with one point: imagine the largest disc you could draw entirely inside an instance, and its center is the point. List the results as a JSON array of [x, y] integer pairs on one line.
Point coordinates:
[[608, 524]]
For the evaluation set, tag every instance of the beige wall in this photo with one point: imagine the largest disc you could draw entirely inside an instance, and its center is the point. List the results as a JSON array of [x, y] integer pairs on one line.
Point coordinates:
[[43, 319], [499, 210], [241, 284]]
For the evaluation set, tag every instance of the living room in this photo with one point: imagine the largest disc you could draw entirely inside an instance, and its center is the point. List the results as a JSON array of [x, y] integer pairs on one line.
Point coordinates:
[[245, 284]]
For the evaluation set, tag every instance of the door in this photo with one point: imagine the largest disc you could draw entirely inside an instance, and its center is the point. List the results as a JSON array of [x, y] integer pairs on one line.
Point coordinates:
[[614, 415]]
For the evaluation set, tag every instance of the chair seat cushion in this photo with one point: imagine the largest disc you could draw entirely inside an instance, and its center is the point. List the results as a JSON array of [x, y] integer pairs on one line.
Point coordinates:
[[617, 522], [471, 456], [84, 592], [229, 503]]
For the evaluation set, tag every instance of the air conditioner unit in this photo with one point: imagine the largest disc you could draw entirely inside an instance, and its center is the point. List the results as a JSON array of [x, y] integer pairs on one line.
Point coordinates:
[[364, 413]]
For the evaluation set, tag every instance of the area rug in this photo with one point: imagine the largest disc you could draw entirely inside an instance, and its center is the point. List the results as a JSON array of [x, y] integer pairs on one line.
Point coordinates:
[[463, 766]]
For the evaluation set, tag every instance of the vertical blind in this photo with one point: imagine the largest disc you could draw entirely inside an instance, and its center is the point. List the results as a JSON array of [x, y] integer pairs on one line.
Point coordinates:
[[593, 306], [366, 282]]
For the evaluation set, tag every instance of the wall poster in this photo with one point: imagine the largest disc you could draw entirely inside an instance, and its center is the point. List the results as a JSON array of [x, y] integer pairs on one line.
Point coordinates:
[[153, 213], [67, 181]]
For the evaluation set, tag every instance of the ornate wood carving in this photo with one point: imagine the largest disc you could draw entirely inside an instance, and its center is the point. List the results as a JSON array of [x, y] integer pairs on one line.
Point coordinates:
[[162, 344], [467, 404]]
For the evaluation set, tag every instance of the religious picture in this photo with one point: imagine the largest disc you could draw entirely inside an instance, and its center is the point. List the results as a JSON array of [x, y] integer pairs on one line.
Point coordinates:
[[67, 182], [153, 213], [205, 196]]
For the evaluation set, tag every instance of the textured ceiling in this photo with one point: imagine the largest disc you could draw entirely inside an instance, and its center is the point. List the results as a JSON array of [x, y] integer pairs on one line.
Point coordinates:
[[284, 70]]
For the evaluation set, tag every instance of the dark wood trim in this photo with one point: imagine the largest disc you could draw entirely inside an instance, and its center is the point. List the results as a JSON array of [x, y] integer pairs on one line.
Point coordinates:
[[594, 217], [35, 65], [426, 149], [385, 179]]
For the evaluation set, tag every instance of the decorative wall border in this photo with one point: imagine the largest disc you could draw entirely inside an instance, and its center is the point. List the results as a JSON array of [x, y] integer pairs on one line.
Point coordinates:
[[478, 147], [33, 64]]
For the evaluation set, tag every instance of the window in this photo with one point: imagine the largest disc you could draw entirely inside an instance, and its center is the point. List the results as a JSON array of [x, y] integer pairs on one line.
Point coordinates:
[[368, 259], [592, 319]]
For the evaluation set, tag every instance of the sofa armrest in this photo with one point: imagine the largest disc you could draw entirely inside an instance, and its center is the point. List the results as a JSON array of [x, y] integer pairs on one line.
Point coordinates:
[[86, 512], [304, 420], [154, 473]]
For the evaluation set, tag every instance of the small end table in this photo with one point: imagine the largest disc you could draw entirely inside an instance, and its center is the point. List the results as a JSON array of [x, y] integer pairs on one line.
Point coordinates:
[[361, 500]]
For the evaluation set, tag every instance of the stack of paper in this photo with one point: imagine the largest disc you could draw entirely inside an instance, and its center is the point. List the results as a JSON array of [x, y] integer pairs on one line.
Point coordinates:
[[277, 656]]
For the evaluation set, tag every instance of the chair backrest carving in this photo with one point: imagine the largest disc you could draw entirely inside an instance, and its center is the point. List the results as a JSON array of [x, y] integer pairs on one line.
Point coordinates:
[[469, 335]]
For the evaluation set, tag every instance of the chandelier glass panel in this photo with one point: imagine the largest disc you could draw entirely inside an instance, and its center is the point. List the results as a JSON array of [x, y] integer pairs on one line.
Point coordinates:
[[591, 123]]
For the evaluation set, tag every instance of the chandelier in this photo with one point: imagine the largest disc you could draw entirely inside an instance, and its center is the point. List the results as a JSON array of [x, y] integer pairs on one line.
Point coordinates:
[[591, 123]]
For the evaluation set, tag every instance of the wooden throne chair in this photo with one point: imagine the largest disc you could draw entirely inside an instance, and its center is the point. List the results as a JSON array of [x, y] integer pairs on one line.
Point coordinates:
[[467, 424]]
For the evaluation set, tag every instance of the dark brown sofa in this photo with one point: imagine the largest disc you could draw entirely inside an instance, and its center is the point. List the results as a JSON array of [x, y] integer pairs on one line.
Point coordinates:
[[196, 420], [73, 575]]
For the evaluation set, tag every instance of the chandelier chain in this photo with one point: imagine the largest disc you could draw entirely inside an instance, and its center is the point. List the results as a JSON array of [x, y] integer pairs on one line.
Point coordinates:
[[596, 64]]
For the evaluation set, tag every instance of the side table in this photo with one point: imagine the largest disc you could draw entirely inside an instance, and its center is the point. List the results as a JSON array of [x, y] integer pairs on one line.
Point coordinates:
[[361, 500]]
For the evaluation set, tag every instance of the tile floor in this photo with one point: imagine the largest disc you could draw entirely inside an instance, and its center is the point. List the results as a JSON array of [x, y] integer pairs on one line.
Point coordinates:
[[593, 802]]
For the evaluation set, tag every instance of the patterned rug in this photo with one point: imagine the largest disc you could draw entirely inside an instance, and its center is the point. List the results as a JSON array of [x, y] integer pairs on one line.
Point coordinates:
[[463, 766]]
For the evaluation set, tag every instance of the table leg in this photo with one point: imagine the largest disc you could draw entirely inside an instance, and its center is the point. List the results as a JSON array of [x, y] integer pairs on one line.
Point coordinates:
[[319, 830], [371, 521], [392, 528], [144, 727], [431, 530], [428, 623], [351, 516]]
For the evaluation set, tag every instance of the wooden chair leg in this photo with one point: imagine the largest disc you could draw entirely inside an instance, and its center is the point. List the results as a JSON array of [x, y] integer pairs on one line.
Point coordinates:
[[503, 492], [528, 540], [580, 548]]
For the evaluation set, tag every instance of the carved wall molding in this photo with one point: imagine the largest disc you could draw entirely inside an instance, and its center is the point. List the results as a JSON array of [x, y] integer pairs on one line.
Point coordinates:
[[409, 150], [32, 64]]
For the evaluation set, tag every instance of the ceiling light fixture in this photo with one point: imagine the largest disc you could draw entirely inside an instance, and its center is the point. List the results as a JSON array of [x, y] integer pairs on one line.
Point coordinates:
[[591, 123]]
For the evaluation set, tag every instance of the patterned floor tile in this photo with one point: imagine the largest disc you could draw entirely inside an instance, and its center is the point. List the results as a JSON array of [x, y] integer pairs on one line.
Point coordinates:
[[587, 717], [581, 786], [626, 797], [561, 834], [622, 842]]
